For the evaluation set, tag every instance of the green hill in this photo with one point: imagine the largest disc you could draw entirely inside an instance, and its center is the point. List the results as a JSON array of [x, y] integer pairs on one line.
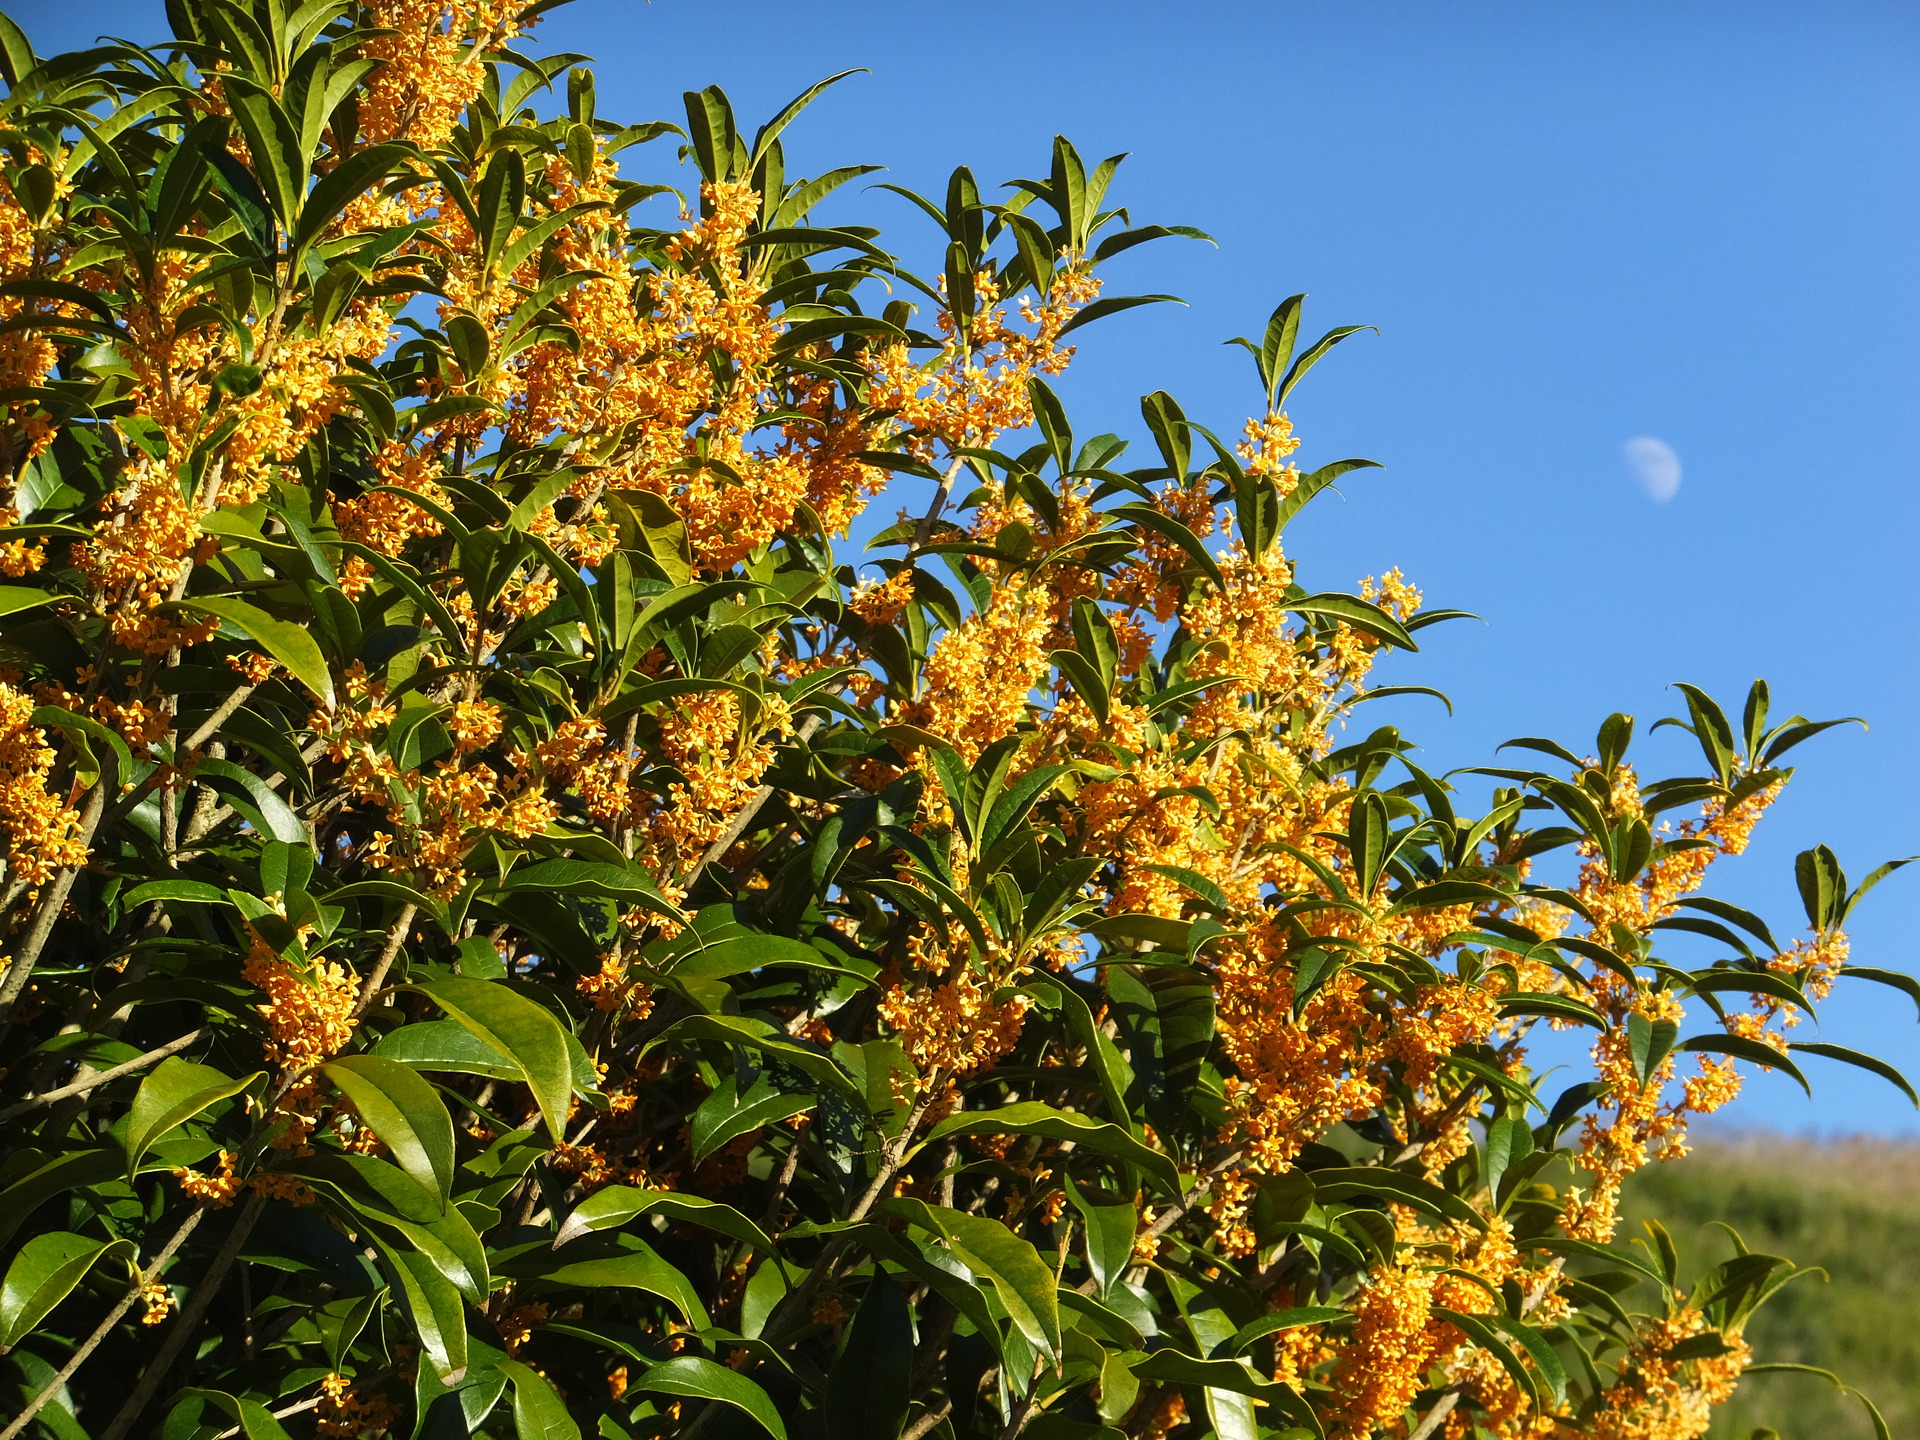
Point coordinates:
[[1850, 1206]]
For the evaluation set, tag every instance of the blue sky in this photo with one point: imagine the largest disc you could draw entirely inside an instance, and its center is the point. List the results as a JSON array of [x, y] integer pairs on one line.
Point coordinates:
[[1576, 226]]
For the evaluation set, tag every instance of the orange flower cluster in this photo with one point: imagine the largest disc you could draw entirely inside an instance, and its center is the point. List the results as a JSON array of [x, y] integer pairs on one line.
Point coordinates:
[[159, 1301], [429, 64], [342, 1412], [309, 1011], [1384, 1365], [216, 1191], [975, 389], [955, 1027], [1657, 1398], [42, 834]]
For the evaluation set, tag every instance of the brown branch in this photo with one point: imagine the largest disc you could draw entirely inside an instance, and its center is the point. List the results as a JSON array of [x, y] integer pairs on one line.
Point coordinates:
[[928, 1421], [1436, 1417], [377, 976], [925, 527], [211, 725], [188, 1325], [125, 1067], [105, 1327], [280, 1414], [738, 827]]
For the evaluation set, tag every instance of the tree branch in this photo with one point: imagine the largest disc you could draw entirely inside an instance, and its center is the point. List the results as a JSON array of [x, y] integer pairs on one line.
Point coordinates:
[[125, 1067], [738, 826], [105, 1327], [188, 1324]]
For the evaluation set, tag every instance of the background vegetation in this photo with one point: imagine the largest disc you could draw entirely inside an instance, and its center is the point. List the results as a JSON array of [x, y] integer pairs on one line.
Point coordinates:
[[1851, 1207]]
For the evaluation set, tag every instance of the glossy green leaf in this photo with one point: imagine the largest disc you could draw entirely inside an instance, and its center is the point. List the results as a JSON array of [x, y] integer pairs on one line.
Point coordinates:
[[1021, 1279], [287, 642], [869, 1388], [519, 1028], [404, 1111], [173, 1093], [43, 1272], [638, 1269], [1031, 1117], [700, 1379], [538, 1411]]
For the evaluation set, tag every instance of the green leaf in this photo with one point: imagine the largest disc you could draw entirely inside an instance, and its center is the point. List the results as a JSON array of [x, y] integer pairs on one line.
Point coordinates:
[[270, 813], [1032, 1117], [432, 1304], [358, 173], [251, 1418], [1483, 1334], [1342, 1183], [173, 1094], [1555, 1007], [639, 1269], [739, 954], [769, 1039], [14, 598], [196, 891], [43, 1273], [869, 1389], [1509, 1141], [1648, 1043], [726, 1114], [1110, 1229], [1235, 1376], [1113, 305], [1278, 1320], [1864, 1062], [617, 1204], [285, 641], [405, 1112], [1355, 614], [446, 1045], [538, 1411], [1023, 1281], [594, 877], [1149, 518], [1742, 1048], [700, 1379], [1311, 356], [519, 1028]]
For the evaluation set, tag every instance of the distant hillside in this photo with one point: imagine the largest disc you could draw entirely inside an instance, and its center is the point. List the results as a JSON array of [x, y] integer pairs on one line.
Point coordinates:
[[1851, 1206]]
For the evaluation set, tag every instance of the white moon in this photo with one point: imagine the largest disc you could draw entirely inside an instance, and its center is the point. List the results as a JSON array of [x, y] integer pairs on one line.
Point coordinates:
[[1655, 466]]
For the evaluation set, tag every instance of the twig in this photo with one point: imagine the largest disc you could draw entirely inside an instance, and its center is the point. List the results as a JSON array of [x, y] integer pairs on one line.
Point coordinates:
[[928, 1421], [925, 527], [211, 726], [377, 976], [785, 1179], [1435, 1417], [280, 1414], [125, 1067], [105, 1328], [760, 796], [188, 1324]]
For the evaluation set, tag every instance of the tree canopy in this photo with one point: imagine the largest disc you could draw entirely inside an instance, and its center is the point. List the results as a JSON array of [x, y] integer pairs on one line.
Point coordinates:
[[515, 925]]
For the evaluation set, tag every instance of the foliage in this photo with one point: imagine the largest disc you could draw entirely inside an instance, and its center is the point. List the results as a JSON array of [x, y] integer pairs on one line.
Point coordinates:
[[509, 934], [1844, 1205]]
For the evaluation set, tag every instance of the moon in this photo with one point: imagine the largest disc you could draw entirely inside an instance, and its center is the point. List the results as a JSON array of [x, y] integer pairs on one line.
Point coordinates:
[[1655, 466]]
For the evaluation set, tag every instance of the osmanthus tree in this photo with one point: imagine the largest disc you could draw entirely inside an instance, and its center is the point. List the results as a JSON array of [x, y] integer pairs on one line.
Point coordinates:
[[508, 934]]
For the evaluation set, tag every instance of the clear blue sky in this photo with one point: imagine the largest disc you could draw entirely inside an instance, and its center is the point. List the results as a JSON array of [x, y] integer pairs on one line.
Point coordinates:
[[1575, 225]]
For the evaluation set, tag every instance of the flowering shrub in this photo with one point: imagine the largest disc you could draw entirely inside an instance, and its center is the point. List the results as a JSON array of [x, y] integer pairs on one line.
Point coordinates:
[[508, 934]]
